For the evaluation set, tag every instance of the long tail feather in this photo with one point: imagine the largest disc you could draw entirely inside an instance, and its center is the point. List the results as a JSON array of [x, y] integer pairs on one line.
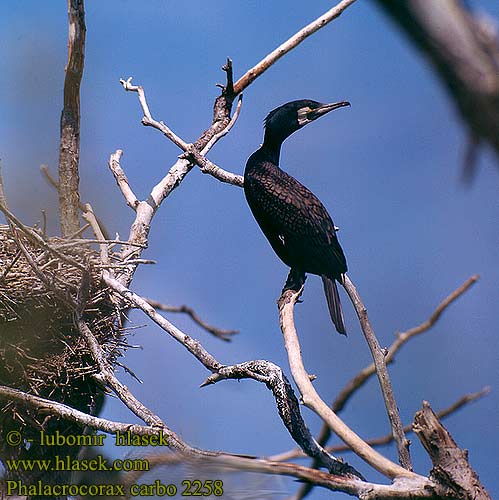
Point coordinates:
[[334, 304]]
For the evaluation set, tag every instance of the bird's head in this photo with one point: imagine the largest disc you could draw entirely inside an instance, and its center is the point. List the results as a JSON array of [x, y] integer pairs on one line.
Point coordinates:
[[288, 118]]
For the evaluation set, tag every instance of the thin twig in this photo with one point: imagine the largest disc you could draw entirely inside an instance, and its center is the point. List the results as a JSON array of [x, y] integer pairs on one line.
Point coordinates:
[[426, 325], [34, 237], [85, 241], [217, 332], [122, 180], [190, 152], [89, 216], [3, 199], [147, 119], [383, 377], [191, 344], [313, 401], [401, 339]]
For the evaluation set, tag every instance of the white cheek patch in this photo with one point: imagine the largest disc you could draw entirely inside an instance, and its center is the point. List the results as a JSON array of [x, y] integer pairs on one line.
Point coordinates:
[[302, 116]]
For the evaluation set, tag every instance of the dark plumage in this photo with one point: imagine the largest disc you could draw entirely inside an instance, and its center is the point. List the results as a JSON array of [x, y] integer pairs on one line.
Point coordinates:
[[292, 218]]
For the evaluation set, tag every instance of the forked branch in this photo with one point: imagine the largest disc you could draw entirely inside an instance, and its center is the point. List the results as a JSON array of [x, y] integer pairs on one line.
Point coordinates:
[[313, 401], [215, 331]]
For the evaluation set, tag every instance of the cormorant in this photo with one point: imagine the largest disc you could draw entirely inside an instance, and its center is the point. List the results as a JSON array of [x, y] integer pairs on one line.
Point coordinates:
[[293, 219]]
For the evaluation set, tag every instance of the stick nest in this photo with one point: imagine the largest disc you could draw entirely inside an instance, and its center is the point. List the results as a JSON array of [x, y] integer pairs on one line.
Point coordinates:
[[41, 350]]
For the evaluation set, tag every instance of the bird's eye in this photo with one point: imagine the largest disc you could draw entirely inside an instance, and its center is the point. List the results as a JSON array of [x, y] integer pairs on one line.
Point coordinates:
[[303, 118]]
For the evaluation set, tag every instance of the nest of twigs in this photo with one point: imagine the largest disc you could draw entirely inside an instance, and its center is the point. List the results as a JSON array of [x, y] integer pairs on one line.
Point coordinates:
[[41, 349]]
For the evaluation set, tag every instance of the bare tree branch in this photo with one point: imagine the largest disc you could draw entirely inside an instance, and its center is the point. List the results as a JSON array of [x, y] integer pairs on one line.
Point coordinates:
[[386, 439], [54, 408], [288, 407], [69, 154], [227, 129], [313, 401], [106, 375], [289, 45], [402, 488], [145, 210], [401, 339], [217, 332], [382, 373], [450, 464], [191, 153], [361, 378], [263, 371], [55, 184], [122, 180]]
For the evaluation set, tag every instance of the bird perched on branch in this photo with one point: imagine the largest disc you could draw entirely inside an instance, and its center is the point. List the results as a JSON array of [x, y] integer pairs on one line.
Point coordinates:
[[293, 219]]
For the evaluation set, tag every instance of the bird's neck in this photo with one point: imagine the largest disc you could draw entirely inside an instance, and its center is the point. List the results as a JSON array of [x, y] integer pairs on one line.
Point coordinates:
[[271, 148]]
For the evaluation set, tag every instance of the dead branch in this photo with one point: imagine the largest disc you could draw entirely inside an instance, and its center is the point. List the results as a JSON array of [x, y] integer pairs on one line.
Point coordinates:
[[253, 73], [227, 129], [90, 217], [401, 339], [262, 371], [217, 332], [53, 408], [55, 184], [366, 373], [400, 489], [313, 401], [382, 373], [106, 376], [451, 468], [288, 407], [388, 438], [190, 152], [69, 153], [122, 180], [403, 488], [192, 345], [145, 210]]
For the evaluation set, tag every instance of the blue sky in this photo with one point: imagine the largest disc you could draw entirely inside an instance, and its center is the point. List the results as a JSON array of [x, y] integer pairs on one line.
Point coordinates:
[[388, 169]]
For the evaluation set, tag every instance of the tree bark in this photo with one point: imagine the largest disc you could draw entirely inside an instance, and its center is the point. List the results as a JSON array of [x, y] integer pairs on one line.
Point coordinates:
[[69, 152], [451, 469]]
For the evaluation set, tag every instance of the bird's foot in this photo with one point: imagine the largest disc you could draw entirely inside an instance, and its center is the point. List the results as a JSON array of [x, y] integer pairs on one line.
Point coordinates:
[[296, 279]]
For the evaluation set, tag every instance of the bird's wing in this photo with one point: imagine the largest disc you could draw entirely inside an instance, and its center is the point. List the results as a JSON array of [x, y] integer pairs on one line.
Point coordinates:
[[289, 210]]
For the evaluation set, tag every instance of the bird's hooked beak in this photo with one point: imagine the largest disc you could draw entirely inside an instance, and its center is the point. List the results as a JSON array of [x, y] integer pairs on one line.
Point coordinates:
[[325, 108]]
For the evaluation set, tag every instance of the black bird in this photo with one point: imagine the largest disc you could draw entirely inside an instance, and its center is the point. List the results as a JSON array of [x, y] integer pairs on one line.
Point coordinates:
[[293, 219]]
